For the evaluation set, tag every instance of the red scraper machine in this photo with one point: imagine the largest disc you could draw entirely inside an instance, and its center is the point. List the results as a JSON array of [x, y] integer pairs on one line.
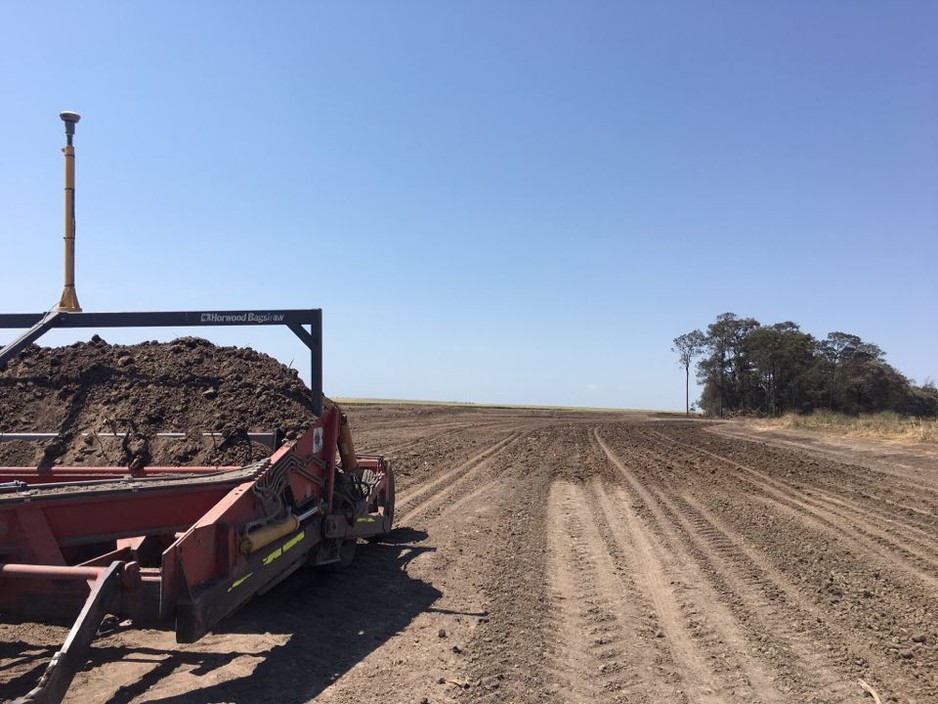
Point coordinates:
[[182, 545]]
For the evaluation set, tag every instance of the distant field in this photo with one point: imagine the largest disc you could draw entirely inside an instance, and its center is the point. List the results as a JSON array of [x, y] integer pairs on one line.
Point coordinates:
[[464, 404]]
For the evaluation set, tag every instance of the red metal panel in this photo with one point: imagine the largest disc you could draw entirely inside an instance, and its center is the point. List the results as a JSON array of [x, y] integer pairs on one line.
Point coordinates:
[[33, 536], [52, 475], [86, 517], [204, 551], [330, 422], [205, 576]]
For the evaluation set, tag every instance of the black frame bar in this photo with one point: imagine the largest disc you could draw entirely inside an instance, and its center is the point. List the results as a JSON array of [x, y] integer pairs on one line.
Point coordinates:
[[40, 323]]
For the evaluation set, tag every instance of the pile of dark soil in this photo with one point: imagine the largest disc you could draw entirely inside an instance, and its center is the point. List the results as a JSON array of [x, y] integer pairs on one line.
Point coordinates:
[[108, 402]]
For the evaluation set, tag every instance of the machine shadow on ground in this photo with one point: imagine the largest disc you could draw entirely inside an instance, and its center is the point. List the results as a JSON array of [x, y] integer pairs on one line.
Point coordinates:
[[21, 653], [332, 621]]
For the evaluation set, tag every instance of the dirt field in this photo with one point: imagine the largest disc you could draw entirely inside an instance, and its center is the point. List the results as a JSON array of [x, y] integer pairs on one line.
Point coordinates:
[[579, 557]]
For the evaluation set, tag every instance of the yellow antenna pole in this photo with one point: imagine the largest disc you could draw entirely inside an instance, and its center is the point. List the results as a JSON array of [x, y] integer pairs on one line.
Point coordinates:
[[69, 301]]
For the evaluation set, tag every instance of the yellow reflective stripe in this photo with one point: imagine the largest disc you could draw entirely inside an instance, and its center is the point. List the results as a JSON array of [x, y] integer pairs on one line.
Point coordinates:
[[239, 582], [293, 541], [283, 548]]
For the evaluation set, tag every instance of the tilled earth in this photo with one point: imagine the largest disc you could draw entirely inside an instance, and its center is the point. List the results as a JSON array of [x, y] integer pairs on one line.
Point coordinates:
[[578, 557], [108, 402]]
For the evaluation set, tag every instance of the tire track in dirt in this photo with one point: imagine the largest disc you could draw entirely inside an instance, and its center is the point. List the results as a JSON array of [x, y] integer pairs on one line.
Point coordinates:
[[430, 496], [706, 643], [883, 493], [917, 529], [595, 608], [919, 562], [511, 651], [738, 677], [875, 491], [843, 617], [796, 626], [753, 598], [872, 456], [454, 536], [424, 437]]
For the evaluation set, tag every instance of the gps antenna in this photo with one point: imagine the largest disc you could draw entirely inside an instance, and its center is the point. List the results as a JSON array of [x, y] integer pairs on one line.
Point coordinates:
[[69, 301]]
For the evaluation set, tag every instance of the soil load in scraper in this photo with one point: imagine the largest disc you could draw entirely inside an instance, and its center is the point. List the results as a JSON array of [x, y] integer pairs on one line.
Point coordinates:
[[182, 545]]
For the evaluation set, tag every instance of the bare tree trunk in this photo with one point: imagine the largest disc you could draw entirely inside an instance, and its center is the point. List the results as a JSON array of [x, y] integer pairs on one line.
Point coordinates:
[[687, 389]]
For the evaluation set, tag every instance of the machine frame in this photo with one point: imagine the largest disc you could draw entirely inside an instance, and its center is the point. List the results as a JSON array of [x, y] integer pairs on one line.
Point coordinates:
[[182, 545]]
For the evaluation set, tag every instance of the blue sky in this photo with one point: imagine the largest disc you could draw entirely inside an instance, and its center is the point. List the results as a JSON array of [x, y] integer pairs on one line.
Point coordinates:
[[492, 202]]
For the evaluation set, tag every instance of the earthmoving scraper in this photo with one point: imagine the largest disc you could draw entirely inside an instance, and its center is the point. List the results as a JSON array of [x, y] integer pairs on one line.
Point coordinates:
[[188, 550], [186, 546]]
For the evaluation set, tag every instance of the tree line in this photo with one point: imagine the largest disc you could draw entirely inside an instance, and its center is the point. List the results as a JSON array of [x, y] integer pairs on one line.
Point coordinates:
[[747, 367]]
